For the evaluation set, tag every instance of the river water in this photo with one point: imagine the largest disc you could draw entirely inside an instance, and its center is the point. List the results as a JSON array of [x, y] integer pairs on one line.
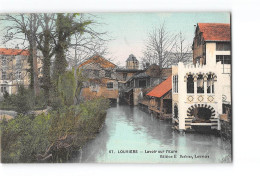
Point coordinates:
[[129, 128]]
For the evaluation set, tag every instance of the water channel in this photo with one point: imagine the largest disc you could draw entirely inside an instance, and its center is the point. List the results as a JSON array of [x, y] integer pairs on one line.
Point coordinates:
[[129, 128]]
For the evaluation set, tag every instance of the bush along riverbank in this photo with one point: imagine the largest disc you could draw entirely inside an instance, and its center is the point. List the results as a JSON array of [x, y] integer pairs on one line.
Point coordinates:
[[51, 137]]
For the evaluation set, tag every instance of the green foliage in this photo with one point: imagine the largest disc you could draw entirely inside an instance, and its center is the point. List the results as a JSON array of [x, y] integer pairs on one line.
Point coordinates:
[[23, 101], [80, 79], [67, 87], [63, 93], [24, 137], [7, 103], [66, 25], [57, 134]]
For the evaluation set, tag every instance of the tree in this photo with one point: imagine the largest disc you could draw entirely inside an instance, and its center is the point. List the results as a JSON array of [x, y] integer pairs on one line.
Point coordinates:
[[46, 46], [66, 26], [83, 45], [24, 27], [165, 48], [181, 52], [159, 45], [68, 37]]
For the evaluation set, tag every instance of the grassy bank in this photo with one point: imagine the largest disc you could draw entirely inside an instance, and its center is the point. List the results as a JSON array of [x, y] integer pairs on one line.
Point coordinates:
[[52, 137]]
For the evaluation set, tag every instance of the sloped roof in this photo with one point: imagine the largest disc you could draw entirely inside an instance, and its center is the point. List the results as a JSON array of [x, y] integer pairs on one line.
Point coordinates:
[[13, 52], [162, 88], [131, 58], [215, 31], [141, 75], [99, 60]]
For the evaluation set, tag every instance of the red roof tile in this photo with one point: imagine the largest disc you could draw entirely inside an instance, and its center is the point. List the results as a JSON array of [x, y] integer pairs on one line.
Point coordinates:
[[215, 31], [100, 60], [13, 52], [162, 88]]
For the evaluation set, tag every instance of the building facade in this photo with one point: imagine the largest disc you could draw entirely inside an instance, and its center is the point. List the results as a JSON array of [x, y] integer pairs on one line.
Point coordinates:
[[160, 99], [212, 44], [142, 82], [201, 92], [14, 69], [132, 62], [100, 78]]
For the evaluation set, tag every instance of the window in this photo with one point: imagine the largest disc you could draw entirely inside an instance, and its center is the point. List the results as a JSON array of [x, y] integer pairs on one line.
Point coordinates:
[[3, 88], [18, 62], [197, 60], [223, 46], [124, 76], [210, 84], [200, 84], [175, 83], [142, 83], [4, 61], [108, 73], [4, 76], [96, 73], [190, 84], [19, 75], [110, 85], [226, 61]]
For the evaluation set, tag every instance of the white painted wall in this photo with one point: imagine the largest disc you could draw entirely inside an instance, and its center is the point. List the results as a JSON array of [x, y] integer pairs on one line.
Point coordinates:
[[183, 104]]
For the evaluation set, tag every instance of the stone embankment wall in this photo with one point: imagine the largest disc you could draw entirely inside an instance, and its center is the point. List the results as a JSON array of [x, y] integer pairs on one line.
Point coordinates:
[[226, 129]]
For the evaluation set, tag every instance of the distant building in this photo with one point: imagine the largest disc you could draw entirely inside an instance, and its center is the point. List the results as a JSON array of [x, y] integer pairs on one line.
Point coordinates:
[[13, 69], [135, 87], [132, 62], [101, 78]]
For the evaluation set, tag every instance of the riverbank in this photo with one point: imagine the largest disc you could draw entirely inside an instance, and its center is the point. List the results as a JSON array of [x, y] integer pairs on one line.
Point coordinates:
[[51, 137]]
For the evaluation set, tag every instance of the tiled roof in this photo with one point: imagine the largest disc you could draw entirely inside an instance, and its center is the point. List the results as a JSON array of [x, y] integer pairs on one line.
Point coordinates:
[[99, 60], [215, 31], [162, 88], [13, 52]]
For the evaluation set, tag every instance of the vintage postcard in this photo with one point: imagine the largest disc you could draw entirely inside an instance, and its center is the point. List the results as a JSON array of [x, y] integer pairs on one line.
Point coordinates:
[[116, 87]]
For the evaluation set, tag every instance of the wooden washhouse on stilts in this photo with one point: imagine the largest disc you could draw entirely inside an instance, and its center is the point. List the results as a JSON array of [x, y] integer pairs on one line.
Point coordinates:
[[161, 99]]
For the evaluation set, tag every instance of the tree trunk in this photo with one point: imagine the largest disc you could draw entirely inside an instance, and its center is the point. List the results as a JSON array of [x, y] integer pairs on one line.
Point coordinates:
[[34, 55]]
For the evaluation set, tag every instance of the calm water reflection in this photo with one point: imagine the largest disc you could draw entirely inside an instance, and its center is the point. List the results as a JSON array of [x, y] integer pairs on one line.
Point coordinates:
[[129, 128]]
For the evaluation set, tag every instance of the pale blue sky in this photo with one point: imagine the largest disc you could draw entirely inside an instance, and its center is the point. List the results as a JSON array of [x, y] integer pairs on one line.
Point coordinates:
[[129, 30]]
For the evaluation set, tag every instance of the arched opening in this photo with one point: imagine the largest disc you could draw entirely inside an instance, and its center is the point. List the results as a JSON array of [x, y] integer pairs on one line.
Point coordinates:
[[210, 84], [201, 113], [175, 110], [200, 84], [190, 84]]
